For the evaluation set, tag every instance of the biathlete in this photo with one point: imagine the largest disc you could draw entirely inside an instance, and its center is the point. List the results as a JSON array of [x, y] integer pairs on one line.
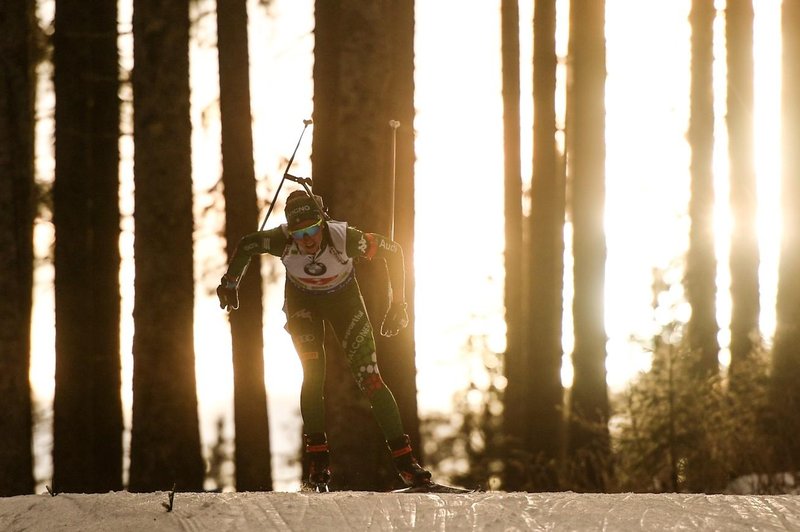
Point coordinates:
[[321, 286]]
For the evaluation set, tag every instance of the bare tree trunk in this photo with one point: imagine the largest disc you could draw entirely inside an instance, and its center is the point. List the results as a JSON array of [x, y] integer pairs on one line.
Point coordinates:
[[87, 407], [545, 255], [744, 259], [165, 437], [253, 469], [701, 263], [589, 438], [17, 26], [398, 354], [362, 80], [516, 366], [786, 353]]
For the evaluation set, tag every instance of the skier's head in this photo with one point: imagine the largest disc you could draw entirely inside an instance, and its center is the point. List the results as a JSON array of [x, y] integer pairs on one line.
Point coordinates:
[[305, 221], [301, 211]]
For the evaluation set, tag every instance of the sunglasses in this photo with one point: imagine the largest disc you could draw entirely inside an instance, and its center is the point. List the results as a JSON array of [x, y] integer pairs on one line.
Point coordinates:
[[311, 230]]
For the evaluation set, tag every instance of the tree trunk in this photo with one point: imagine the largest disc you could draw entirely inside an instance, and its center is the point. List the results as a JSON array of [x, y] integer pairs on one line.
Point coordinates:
[[17, 25], [589, 438], [363, 79], [87, 407], [516, 367], [744, 259], [786, 352], [252, 458], [165, 438], [545, 254], [701, 263], [398, 354]]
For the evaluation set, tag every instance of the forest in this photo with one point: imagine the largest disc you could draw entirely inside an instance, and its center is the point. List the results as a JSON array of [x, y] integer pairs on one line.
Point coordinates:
[[695, 421]]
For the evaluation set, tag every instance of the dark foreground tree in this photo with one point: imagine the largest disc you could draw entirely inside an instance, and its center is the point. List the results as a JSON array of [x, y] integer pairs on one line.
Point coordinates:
[[363, 79], [17, 63], [165, 437], [252, 446], [87, 407]]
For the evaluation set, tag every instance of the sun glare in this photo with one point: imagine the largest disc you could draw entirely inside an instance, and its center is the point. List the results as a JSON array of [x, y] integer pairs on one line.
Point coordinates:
[[459, 171]]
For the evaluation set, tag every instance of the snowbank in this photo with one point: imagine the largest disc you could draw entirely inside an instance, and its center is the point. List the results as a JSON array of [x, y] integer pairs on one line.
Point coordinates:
[[123, 511]]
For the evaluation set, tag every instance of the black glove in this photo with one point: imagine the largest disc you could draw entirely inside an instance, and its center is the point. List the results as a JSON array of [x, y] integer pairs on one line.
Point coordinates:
[[228, 293], [395, 319]]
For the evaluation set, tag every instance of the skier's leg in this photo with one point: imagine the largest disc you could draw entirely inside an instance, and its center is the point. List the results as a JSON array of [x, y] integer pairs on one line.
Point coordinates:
[[307, 332], [354, 330]]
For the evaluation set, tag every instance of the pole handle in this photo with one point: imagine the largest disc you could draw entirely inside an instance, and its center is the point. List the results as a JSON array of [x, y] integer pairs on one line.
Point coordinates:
[[394, 124]]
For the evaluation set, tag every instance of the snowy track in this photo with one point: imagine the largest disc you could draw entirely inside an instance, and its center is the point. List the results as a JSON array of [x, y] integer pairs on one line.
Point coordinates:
[[122, 511]]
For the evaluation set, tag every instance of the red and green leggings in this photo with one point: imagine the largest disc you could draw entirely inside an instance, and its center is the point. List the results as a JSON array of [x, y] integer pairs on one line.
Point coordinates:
[[344, 310]]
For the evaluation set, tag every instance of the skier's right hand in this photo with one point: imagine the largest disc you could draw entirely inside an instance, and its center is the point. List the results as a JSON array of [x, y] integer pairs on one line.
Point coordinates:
[[228, 293], [396, 318]]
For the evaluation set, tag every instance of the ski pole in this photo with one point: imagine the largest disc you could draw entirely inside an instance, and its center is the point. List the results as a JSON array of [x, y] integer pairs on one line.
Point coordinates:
[[394, 124], [306, 123]]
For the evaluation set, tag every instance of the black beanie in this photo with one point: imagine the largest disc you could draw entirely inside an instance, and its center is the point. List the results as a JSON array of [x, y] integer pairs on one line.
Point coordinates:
[[300, 208]]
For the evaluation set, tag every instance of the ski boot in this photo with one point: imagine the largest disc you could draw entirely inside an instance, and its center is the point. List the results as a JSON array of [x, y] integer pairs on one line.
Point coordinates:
[[318, 455], [411, 473]]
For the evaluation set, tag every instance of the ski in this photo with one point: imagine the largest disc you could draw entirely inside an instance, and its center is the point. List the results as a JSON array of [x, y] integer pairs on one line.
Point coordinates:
[[433, 487], [428, 486]]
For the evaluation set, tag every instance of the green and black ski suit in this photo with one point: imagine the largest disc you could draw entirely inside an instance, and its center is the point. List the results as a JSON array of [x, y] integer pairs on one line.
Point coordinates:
[[322, 287]]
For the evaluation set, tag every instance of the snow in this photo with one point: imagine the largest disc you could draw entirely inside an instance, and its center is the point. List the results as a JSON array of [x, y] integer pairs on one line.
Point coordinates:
[[121, 511]]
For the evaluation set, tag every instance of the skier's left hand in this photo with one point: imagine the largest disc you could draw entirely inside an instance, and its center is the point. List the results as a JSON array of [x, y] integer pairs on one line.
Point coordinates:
[[228, 293], [396, 318]]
